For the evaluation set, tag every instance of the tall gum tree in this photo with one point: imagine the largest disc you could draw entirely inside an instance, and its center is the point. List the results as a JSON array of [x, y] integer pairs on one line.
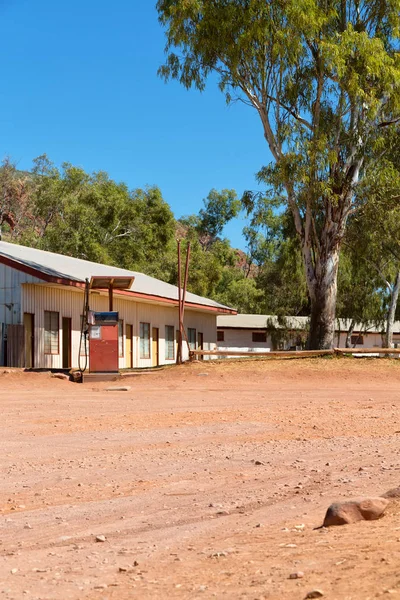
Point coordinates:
[[324, 78]]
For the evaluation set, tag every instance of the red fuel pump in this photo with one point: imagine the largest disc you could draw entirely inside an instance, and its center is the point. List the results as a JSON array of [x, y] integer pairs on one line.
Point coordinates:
[[100, 329], [103, 343]]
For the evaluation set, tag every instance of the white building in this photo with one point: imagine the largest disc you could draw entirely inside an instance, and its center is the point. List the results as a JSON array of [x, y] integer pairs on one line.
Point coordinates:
[[41, 307], [264, 333]]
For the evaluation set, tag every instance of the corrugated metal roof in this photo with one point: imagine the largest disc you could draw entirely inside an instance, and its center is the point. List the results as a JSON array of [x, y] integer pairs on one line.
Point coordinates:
[[76, 269], [265, 321]]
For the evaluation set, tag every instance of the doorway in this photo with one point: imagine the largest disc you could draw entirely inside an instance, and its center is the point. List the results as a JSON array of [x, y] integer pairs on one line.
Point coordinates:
[[200, 343], [29, 327], [154, 347], [66, 342], [129, 346]]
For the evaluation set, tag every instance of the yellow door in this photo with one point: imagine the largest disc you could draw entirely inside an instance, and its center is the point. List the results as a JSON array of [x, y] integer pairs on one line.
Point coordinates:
[[154, 347], [66, 342], [129, 346]]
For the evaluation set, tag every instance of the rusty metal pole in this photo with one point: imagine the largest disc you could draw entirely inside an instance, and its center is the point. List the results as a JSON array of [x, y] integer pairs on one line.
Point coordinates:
[[179, 352], [111, 297], [184, 293]]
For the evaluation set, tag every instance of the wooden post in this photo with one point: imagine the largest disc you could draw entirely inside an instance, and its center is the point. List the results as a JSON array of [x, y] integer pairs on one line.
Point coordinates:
[[184, 294], [110, 297], [179, 352]]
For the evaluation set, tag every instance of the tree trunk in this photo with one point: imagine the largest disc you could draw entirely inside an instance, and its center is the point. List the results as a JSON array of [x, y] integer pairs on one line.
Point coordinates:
[[323, 291], [350, 333], [392, 311]]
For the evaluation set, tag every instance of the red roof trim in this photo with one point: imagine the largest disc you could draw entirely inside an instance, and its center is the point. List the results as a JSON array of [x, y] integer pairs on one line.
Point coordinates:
[[9, 262], [14, 264]]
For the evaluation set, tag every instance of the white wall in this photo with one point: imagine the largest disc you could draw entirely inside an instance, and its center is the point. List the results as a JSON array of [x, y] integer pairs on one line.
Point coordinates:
[[370, 340], [68, 302], [241, 339]]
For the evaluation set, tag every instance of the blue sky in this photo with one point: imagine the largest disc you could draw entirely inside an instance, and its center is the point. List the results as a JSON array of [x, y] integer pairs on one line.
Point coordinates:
[[79, 82]]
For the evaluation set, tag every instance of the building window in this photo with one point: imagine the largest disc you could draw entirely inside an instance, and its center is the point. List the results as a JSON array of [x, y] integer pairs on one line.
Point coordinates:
[[120, 338], [51, 332], [220, 336], [144, 340], [169, 342], [259, 336], [357, 340], [192, 338]]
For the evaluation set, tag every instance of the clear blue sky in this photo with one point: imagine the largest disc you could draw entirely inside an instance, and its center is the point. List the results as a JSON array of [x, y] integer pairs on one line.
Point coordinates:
[[79, 82]]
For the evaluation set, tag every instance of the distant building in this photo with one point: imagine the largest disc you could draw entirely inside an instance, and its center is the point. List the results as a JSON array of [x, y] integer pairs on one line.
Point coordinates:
[[264, 333], [41, 307]]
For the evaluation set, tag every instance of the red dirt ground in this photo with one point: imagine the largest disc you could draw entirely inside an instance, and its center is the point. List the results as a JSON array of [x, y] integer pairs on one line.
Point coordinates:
[[168, 472]]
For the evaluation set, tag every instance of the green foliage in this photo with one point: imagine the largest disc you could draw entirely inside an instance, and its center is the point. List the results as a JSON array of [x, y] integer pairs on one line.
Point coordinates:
[[283, 282], [241, 293], [275, 250], [94, 218], [220, 208], [213, 268], [360, 295], [15, 200]]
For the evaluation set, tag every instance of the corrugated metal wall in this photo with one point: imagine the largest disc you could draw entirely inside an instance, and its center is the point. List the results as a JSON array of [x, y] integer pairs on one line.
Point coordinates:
[[10, 301], [10, 294], [16, 346], [69, 303]]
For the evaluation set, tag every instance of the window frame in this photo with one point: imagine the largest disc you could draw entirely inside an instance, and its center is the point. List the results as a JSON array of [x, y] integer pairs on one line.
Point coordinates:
[[48, 350], [192, 345], [142, 340], [254, 335], [357, 339], [169, 343]]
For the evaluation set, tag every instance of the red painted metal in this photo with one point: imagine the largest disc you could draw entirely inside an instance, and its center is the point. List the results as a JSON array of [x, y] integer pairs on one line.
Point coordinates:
[[103, 349]]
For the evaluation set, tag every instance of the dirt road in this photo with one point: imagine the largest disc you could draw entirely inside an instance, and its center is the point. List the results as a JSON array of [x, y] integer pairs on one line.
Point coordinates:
[[205, 480]]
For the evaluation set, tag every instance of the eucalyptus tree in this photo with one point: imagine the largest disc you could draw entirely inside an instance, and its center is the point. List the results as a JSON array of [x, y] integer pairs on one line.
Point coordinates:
[[324, 78]]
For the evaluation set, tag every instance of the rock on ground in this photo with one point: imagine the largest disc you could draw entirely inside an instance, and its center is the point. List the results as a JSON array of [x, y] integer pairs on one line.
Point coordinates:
[[393, 494], [344, 513]]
